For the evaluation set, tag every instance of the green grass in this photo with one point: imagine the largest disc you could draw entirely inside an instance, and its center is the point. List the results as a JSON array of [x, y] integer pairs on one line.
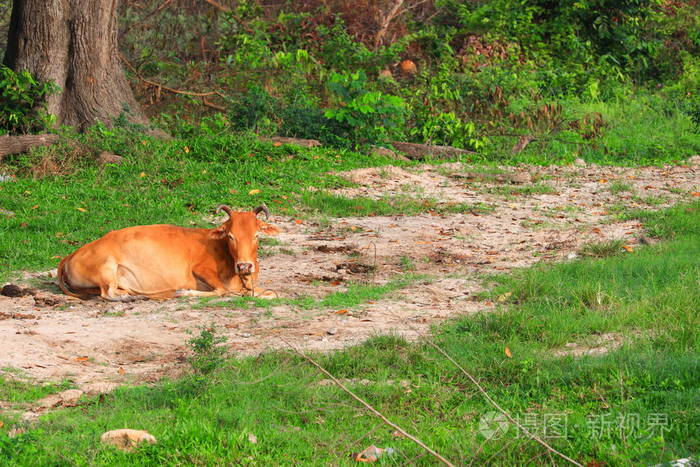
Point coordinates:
[[648, 298], [17, 389], [618, 187], [514, 190], [641, 129], [355, 295], [602, 249]]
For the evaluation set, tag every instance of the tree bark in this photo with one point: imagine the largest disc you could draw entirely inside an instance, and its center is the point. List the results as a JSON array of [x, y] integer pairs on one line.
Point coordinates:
[[74, 44], [17, 144]]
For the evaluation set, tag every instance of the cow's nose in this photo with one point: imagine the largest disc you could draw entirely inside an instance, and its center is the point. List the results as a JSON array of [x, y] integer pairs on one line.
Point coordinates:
[[244, 268]]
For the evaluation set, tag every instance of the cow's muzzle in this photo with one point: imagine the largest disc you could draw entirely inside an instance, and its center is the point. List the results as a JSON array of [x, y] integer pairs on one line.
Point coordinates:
[[244, 268]]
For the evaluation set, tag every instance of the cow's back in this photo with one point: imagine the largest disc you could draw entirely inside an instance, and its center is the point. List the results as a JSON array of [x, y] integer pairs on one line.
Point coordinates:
[[147, 259]]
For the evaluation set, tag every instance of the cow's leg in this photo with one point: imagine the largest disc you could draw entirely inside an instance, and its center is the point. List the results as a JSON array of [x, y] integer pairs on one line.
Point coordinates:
[[212, 280], [200, 293], [260, 293], [110, 288], [112, 293]]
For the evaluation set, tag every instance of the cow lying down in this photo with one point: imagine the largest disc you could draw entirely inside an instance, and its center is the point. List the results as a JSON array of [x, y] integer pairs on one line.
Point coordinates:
[[166, 261]]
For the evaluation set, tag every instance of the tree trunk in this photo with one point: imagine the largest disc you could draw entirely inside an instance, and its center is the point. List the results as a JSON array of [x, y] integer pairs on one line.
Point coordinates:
[[74, 44]]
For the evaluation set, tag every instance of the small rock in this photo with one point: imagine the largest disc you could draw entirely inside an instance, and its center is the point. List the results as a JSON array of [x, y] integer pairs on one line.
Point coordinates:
[[11, 290], [5, 212], [373, 453], [127, 439], [580, 162], [694, 160], [6, 178], [108, 158], [332, 332], [41, 299], [520, 177]]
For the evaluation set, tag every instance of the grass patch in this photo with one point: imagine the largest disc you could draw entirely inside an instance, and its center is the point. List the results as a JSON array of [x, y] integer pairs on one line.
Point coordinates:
[[516, 190], [618, 187], [18, 390], [355, 295], [602, 249], [635, 405]]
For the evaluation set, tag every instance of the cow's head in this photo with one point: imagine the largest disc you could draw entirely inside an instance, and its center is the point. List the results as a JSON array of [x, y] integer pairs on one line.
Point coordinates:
[[241, 231]]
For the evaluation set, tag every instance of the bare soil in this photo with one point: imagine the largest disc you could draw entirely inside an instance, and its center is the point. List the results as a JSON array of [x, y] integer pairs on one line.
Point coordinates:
[[52, 337]]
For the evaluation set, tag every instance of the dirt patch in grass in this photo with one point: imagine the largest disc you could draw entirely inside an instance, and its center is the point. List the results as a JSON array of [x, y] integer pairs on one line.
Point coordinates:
[[56, 337]]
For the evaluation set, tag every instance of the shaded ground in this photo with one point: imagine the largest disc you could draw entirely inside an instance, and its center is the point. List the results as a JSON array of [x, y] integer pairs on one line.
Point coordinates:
[[539, 214]]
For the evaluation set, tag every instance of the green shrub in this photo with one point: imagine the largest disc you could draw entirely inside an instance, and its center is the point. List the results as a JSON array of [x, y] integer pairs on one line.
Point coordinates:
[[365, 117], [23, 102]]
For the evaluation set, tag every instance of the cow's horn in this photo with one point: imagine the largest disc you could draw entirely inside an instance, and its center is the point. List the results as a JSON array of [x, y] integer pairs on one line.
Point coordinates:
[[262, 208], [226, 209]]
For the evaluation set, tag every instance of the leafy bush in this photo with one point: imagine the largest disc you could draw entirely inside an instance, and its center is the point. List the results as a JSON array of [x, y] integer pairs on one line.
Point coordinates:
[[252, 110], [366, 117], [209, 353], [23, 102]]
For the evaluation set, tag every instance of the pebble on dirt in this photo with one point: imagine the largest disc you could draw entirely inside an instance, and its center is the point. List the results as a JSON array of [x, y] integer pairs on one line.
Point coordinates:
[[127, 439], [11, 290]]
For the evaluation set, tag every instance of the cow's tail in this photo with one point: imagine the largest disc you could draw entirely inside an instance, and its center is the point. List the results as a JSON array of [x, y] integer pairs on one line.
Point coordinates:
[[64, 285]]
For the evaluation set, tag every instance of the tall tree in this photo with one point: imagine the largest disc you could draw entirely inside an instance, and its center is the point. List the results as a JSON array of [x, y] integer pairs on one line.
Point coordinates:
[[74, 44]]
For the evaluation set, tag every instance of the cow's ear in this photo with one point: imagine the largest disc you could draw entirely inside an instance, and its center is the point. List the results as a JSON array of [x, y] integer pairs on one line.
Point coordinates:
[[219, 232], [267, 229]]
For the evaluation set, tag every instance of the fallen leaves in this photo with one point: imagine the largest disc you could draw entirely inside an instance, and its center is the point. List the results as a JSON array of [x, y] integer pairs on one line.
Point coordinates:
[[509, 354], [254, 192], [81, 209], [628, 248]]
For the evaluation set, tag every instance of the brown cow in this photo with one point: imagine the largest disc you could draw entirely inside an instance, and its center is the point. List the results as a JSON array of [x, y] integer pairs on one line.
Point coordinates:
[[165, 261]]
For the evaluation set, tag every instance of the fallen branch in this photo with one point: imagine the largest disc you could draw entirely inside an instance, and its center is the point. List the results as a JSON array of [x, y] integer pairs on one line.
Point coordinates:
[[212, 105], [419, 151], [369, 407], [159, 86], [21, 143]]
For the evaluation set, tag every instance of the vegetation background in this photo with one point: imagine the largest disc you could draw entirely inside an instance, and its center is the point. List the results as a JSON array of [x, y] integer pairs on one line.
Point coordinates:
[[577, 78], [611, 82]]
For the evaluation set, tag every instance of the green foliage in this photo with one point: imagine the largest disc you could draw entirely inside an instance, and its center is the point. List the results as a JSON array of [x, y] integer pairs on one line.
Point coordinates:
[[23, 102], [447, 129], [367, 117], [208, 351]]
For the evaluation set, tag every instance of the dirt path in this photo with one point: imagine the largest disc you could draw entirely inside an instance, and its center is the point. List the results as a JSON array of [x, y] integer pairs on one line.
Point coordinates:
[[50, 337]]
